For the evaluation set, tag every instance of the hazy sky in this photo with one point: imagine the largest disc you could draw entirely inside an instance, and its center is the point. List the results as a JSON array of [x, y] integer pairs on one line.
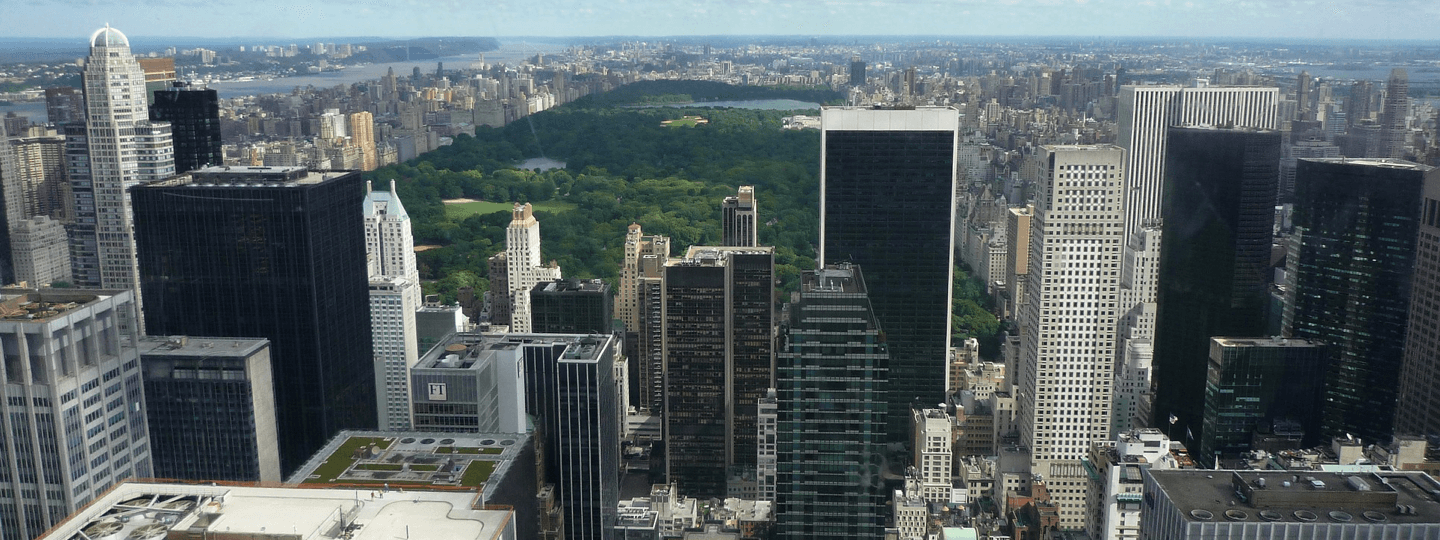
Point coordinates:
[[1364, 19]]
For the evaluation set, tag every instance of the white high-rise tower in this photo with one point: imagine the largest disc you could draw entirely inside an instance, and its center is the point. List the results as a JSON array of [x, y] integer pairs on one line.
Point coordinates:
[[125, 149], [1067, 362], [394, 298], [522, 265]]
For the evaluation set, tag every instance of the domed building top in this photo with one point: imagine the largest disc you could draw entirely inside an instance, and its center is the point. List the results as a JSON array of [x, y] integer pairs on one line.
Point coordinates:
[[108, 37]]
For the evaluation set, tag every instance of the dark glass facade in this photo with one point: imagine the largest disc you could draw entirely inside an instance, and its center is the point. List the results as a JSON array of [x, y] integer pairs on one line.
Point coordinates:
[[830, 440], [572, 307], [1251, 383], [570, 390], [194, 116], [1214, 267], [235, 254], [201, 409], [719, 361], [887, 207], [1351, 261]]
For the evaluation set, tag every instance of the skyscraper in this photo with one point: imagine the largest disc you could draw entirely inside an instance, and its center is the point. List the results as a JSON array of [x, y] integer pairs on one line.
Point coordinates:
[[857, 71], [211, 408], [40, 169], [1069, 319], [887, 185], [125, 149], [272, 252], [1415, 413], [1392, 119], [11, 206], [41, 253], [389, 244], [1350, 268], [1251, 383], [719, 360], [64, 105], [571, 306], [522, 265], [1146, 112], [1214, 269], [638, 247], [738, 218], [362, 133], [832, 341], [75, 414], [194, 117], [394, 341]]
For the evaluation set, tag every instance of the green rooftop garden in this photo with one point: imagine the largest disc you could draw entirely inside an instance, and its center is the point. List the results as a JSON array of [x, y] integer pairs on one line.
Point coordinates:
[[476, 473], [343, 457]]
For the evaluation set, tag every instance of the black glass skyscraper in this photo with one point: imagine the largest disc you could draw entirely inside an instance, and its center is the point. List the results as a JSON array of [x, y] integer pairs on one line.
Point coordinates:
[[1214, 256], [1251, 383], [887, 184], [272, 252], [572, 306], [194, 116], [831, 387], [1351, 261]]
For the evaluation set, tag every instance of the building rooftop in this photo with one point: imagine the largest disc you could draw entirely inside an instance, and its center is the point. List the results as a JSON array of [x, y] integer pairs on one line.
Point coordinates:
[[152, 511], [413, 460], [199, 346], [35, 305], [1273, 341], [711, 255], [234, 176], [468, 350], [1302, 497], [1389, 163], [573, 285]]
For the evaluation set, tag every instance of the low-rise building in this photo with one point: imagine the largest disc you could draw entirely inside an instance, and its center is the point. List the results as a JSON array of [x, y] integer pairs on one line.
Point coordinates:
[[1242, 505]]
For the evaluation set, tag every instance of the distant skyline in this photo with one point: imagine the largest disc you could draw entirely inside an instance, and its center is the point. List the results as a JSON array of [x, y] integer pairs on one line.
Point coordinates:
[[261, 19]]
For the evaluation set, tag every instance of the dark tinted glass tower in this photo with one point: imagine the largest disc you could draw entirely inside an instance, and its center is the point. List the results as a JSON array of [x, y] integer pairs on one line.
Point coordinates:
[[857, 71], [719, 360], [1214, 255], [1350, 265], [272, 252], [570, 390], [831, 380], [572, 306], [194, 116], [887, 184], [211, 408], [1251, 383]]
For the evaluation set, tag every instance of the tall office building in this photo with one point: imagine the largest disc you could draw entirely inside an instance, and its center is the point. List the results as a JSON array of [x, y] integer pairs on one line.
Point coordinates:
[[40, 169], [194, 117], [40, 252], [719, 360], [125, 149], [832, 339], [84, 258], [362, 134], [211, 408], [1214, 271], [1357, 107], [64, 105], [1067, 360], [389, 244], [522, 265], [75, 411], [639, 307], [271, 252], [739, 216], [1350, 269], [570, 388], [1252, 383], [887, 185], [857, 71], [1017, 258], [1392, 120], [394, 341], [1416, 412], [571, 306], [638, 247], [11, 206]]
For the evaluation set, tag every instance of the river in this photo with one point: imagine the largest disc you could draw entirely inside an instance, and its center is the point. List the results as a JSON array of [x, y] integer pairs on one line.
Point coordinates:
[[508, 53]]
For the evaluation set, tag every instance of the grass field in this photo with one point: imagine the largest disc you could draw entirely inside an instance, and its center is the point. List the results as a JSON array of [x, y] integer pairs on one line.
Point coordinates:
[[476, 473], [462, 210], [688, 121], [336, 464]]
